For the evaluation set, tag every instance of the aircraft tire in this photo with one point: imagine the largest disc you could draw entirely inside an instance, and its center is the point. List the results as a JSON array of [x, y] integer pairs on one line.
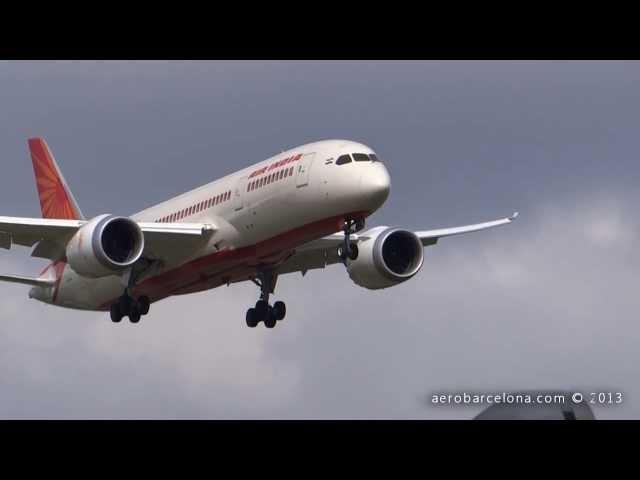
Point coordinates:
[[114, 311], [279, 310], [270, 320], [134, 314], [252, 318], [144, 304]]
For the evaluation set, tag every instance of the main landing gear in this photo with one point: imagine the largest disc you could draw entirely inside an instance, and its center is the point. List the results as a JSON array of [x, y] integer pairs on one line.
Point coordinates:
[[347, 249], [263, 312], [127, 306]]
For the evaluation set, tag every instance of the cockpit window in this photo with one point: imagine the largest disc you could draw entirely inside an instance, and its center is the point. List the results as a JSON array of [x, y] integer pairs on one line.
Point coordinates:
[[343, 159], [374, 158], [360, 157]]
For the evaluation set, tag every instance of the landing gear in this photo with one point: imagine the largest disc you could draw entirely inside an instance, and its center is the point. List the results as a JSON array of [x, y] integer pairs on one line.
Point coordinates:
[[144, 303], [263, 312], [279, 310], [349, 250], [126, 306], [252, 318], [270, 320], [116, 316]]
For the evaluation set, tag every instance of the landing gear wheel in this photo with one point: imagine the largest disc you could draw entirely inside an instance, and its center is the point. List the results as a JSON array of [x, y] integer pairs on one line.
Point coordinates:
[[116, 315], [262, 308], [125, 304], [279, 310], [270, 320], [134, 314], [352, 254], [144, 304], [252, 318]]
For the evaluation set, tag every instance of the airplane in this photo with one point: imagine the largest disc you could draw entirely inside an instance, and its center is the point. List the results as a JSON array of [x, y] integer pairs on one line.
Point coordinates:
[[303, 209]]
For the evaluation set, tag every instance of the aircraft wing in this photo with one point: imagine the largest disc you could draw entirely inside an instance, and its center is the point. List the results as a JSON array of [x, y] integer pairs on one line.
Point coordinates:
[[322, 252], [50, 236], [34, 282], [430, 237]]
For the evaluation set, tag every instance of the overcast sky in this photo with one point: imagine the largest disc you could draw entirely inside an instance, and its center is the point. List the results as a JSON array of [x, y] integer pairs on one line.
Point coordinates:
[[549, 302]]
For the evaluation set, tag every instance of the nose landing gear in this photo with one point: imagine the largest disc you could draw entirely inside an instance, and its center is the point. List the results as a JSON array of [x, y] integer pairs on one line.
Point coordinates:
[[263, 312], [349, 250]]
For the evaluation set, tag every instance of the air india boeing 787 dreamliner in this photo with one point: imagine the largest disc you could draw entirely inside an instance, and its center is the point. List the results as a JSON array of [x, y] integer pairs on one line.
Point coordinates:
[[300, 210]]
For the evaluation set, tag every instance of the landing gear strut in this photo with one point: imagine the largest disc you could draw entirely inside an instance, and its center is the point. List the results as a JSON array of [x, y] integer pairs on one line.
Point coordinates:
[[347, 249], [263, 312]]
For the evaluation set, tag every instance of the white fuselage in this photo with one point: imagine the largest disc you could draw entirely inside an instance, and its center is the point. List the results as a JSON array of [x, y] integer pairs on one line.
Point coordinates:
[[261, 213]]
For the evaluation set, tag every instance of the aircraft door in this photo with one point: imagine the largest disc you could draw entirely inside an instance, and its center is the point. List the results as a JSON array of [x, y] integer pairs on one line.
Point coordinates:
[[303, 170], [238, 197]]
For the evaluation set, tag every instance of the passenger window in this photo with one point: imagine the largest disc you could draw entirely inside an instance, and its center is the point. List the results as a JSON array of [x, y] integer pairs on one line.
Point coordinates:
[[361, 157], [343, 159]]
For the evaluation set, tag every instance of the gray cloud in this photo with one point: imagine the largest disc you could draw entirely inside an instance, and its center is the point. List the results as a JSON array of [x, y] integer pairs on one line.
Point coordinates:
[[545, 303]]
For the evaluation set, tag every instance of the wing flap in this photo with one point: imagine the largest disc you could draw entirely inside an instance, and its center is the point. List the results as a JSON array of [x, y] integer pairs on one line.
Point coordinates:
[[197, 229]]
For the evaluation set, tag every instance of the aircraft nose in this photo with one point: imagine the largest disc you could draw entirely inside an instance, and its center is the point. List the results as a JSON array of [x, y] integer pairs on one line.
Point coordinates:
[[376, 184]]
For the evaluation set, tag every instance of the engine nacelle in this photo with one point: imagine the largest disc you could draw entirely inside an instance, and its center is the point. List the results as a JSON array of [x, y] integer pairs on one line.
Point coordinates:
[[391, 256], [105, 246]]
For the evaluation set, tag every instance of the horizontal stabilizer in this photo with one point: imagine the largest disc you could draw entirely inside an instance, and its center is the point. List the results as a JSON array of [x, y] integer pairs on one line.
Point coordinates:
[[35, 282]]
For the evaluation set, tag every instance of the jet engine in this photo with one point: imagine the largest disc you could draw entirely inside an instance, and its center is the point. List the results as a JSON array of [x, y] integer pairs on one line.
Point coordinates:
[[388, 256], [105, 246]]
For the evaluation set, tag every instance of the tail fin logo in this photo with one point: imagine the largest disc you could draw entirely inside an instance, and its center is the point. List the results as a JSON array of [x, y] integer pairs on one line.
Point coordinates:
[[56, 200]]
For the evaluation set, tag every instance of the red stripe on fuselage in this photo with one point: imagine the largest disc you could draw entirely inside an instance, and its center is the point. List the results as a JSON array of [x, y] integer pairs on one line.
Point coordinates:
[[226, 265]]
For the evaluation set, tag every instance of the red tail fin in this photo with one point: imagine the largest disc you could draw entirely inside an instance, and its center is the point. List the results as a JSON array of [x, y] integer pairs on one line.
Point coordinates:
[[56, 199]]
